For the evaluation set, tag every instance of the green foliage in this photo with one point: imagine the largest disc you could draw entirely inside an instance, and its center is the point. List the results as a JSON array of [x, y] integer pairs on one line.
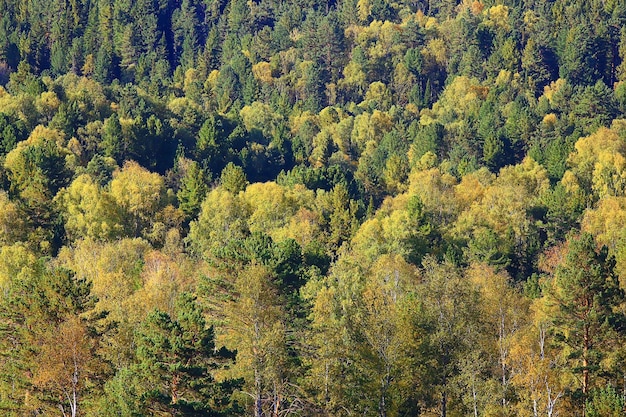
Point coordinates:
[[353, 179], [176, 359], [193, 189], [584, 293], [605, 402], [233, 179], [38, 303]]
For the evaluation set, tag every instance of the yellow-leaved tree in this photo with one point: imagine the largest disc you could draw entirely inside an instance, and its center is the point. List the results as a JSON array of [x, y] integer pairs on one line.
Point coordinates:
[[598, 163], [90, 211], [255, 326], [139, 193]]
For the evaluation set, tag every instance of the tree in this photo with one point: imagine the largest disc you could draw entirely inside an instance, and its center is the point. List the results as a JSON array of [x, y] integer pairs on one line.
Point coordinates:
[[597, 164], [193, 189], [504, 313], [367, 351], [113, 142], [233, 179], [12, 223], [605, 402], [175, 368], [114, 270], [66, 364], [270, 207], [37, 168], [256, 326], [139, 193], [584, 293], [580, 56], [49, 341], [222, 218], [211, 140], [89, 211], [540, 377], [381, 322], [451, 319]]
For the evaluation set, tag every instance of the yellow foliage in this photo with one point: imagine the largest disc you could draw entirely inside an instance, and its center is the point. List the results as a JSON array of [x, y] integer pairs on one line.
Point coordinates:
[[607, 221], [269, 206], [426, 161], [191, 76], [305, 226], [590, 147], [298, 120], [364, 8], [379, 95], [48, 102], [370, 128], [137, 190], [460, 98], [477, 7], [255, 327], [66, 362], [549, 90], [40, 134], [500, 209], [114, 270], [15, 261], [328, 117], [353, 75], [89, 94], [598, 162], [436, 191], [436, 50], [223, 216], [162, 279], [570, 182], [609, 175], [550, 119], [472, 187], [412, 108], [29, 178], [381, 235], [431, 23], [382, 35], [498, 16], [90, 211], [505, 203], [262, 71], [381, 122], [89, 67], [211, 79], [538, 370], [529, 176], [259, 116], [12, 226], [178, 105]]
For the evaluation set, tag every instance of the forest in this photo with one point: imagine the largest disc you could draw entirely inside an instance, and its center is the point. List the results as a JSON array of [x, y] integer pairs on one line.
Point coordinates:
[[313, 208]]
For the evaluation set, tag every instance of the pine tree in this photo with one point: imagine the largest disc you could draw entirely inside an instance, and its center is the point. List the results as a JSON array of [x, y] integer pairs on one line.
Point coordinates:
[[584, 293], [174, 373], [193, 189]]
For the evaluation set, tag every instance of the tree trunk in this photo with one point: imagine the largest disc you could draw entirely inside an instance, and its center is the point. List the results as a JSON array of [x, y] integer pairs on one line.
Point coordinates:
[[258, 409], [74, 401], [503, 356], [474, 398], [277, 402], [382, 403], [586, 345]]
